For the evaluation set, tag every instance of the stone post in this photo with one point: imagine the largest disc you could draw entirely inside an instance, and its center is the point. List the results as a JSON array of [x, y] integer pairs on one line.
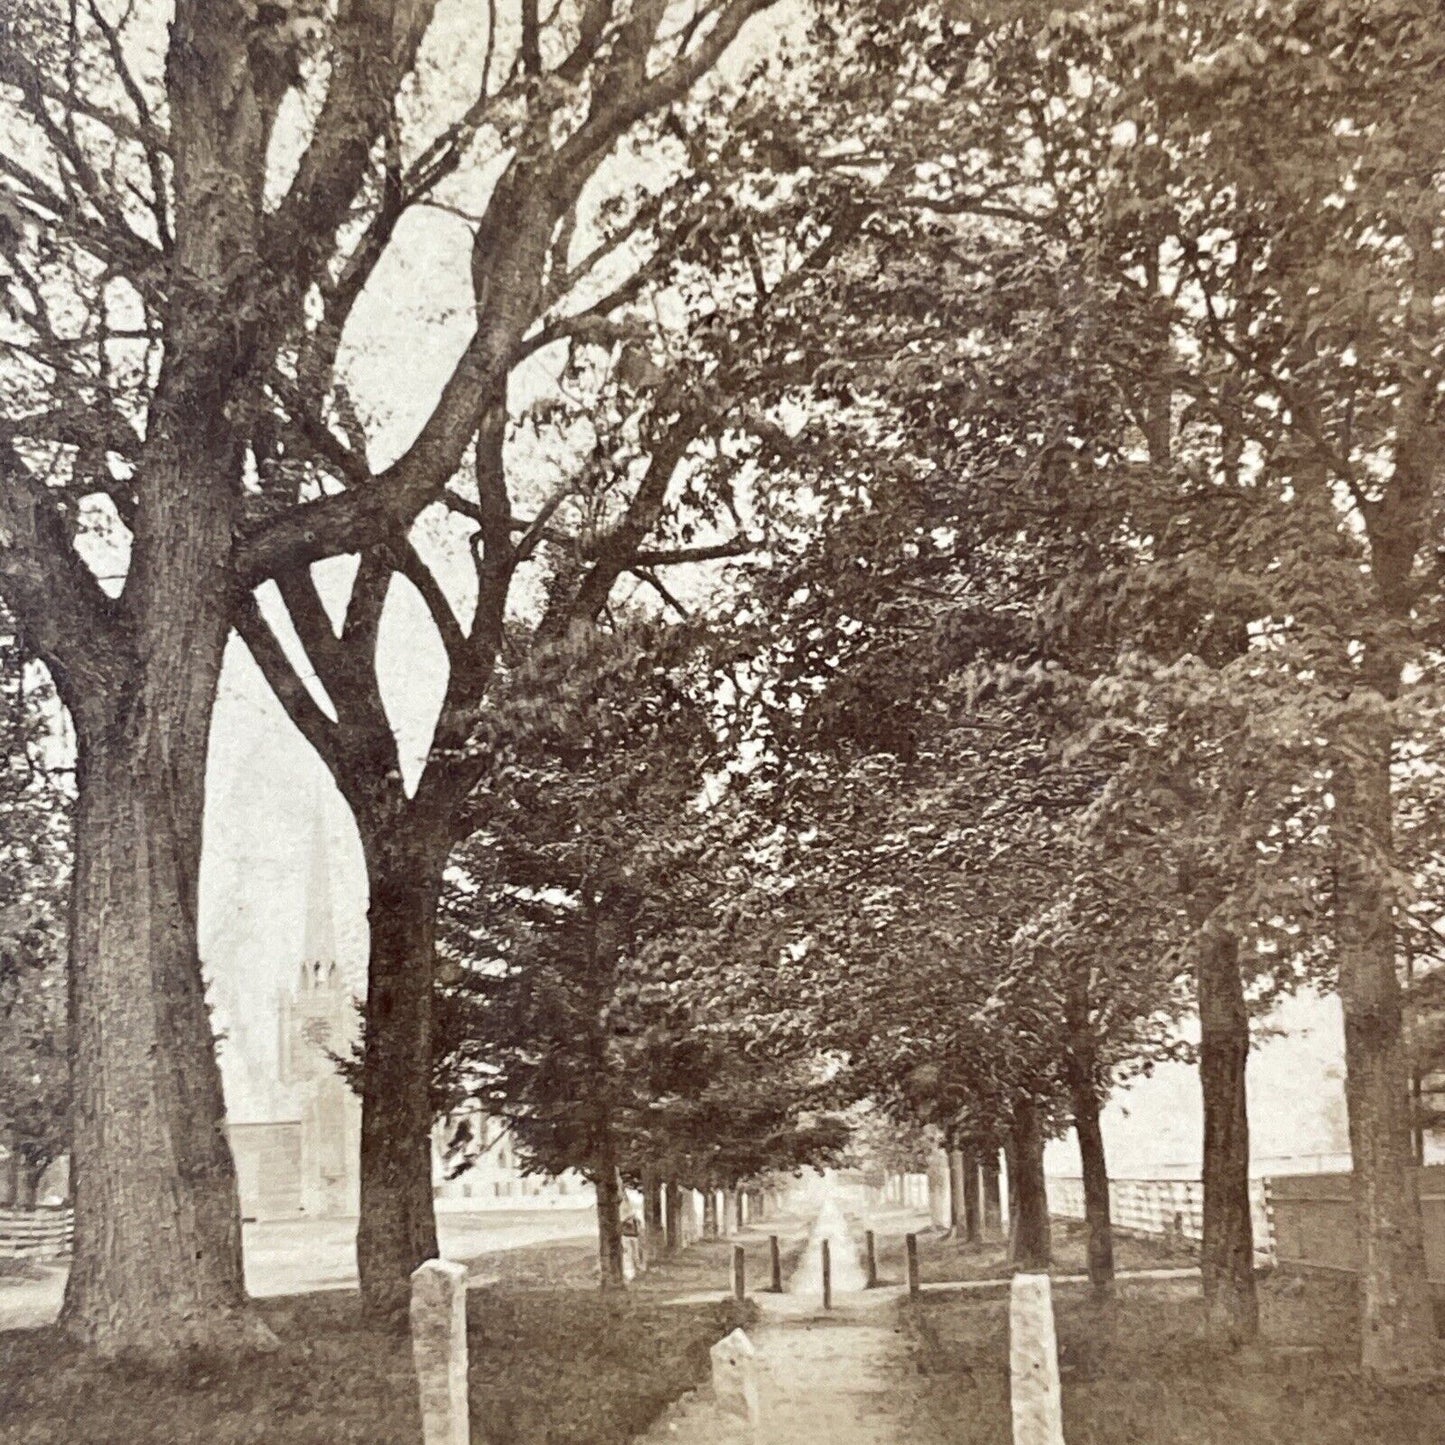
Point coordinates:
[[776, 1258], [911, 1243], [439, 1349], [1038, 1417], [735, 1376], [740, 1272], [872, 1244], [827, 1276]]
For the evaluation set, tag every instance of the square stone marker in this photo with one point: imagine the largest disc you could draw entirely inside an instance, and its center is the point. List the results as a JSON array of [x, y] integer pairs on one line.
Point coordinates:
[[735, 1376]]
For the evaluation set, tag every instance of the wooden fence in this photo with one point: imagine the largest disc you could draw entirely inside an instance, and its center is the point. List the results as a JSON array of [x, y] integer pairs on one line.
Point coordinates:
[[1172, 1207], [36, 1234]]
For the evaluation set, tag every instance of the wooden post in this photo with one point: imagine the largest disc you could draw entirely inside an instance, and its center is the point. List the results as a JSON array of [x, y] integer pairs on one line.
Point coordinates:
[[912, 1245], [777, 1261], [872, 1244], [827, 1277], [740, 1272], [439, 1349]]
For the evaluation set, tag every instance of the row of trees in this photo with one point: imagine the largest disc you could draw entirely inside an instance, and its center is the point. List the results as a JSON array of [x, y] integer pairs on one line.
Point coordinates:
[[1068, 381], [1122, 618]]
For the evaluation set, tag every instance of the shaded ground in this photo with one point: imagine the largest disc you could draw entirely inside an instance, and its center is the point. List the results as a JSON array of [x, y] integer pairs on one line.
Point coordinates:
[[942, 1260], [553, 1362], [1139, 1371], [553, 1367]]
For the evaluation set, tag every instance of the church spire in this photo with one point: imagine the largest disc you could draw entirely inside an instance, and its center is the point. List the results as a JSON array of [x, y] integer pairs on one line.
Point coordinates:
[[318, 943]]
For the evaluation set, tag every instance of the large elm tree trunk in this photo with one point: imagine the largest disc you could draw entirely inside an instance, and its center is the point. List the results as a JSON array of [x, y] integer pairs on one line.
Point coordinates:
[[1030, 1240], [157, 1212], [397, 1228], [1227, 1252], [1397, 1329]]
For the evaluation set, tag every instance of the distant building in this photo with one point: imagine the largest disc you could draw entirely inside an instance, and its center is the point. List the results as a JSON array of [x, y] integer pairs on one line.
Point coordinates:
[[298, 1153], [492, 1178]]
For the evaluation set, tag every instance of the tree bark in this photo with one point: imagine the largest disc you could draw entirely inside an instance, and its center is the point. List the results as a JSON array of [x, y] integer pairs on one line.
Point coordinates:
[[675, 1199], [938, 1190], [955, 1191], [1030, 1242], [29, 1191], [1097, 1215], [397, 1228], [1397, 1327], [157, 1213], [654, 1230], [968, 1169], [992, 1193], [1227, 1253], [609, 1226]]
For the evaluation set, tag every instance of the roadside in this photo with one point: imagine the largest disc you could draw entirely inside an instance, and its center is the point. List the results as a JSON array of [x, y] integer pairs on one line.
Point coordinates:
[[304, 1255], [1139, 1369], [552, 1359]]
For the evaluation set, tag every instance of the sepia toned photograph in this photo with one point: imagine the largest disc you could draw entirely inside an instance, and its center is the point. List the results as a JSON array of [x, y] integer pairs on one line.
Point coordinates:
[[723, 722]]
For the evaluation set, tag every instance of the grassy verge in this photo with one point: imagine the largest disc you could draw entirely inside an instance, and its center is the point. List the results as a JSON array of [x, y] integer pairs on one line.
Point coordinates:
[[550, 1365], [1139, 1370], [946, 1260]]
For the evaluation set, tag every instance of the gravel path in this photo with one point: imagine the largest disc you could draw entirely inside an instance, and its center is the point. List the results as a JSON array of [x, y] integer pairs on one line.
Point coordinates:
[[844, 1377]]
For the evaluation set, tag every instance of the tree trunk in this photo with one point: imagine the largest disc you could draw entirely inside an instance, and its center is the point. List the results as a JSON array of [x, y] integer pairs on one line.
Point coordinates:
[[157, 1214], [1227, 1254], [992, 1193], [1030, 1244], [1097, 1220], [938, 1191], [675, 1197], [709, 1213], [1397, 1329], [12, 1173], [29, 1191], [397, 1228], [654, 1230], [968, 1168], [955, 1192], [609, 1225]]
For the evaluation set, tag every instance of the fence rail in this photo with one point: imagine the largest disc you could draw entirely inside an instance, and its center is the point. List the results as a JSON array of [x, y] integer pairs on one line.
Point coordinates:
[[36, 1234], [1170, 1207]]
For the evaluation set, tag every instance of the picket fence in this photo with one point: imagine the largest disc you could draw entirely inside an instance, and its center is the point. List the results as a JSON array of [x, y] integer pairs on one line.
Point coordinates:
[[1170, 1207], [36, 1234]]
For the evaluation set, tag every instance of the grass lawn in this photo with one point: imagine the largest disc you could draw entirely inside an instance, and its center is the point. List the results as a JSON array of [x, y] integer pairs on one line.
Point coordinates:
[[1138, 1373], [943, 1260], [550, 1365]]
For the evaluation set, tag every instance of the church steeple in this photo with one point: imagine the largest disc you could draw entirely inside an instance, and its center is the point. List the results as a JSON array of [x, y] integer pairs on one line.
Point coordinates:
[[318, 942]]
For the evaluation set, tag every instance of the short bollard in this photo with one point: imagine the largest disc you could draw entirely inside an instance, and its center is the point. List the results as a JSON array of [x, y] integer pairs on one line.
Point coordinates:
[[911, 1243], [777, 1261], [735, 1376], [1038, 1417], [439, 1350], [872, 1260], [827, 1277], [740, 1272]]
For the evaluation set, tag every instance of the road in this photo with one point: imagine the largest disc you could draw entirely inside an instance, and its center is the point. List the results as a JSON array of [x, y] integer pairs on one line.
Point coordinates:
[[301, 1256]]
